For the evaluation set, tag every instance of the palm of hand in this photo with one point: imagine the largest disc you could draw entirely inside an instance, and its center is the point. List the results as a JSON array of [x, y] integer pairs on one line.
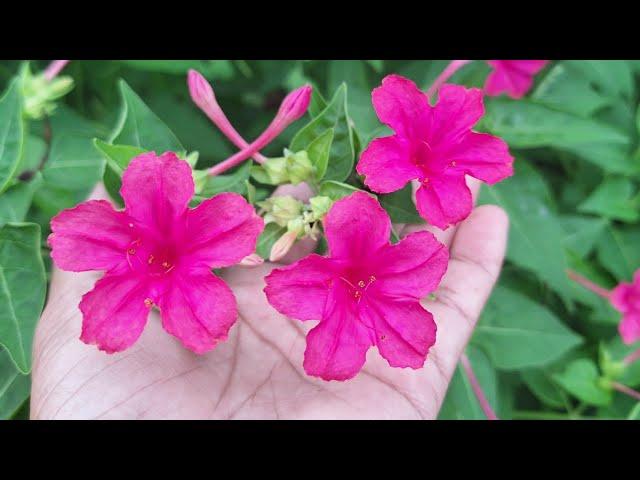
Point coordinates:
[[257, 372]]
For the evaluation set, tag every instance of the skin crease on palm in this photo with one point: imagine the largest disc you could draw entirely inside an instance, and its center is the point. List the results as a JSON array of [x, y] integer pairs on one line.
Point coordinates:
[[257, 373]]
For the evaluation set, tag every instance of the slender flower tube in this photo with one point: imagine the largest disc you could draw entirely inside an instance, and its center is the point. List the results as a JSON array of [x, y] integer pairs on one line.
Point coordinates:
[[626, 390], [447, 73], [203, 96], [477, 389], [632, 357], [589, 285], [292, 108], [54, 69]]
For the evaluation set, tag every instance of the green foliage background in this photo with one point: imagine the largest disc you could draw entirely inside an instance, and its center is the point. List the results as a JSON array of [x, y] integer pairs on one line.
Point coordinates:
[[544, 347]]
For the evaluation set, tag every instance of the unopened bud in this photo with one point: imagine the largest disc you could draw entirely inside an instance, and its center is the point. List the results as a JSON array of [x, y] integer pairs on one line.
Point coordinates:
[[320, 205], [299, 167], [281, 209], [252, 260], [282, 246], [295, 104], [200, 90]]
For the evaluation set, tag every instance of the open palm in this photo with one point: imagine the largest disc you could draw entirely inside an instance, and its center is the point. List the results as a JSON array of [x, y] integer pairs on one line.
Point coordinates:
[[257, 372]]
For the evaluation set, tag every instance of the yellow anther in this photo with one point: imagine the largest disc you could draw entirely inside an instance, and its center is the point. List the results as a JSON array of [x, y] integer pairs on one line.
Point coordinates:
[[361, 284], [148, 302], [372, 278], [357, 294], [453, 164], [166, 264], [150, 260], [131, 251]]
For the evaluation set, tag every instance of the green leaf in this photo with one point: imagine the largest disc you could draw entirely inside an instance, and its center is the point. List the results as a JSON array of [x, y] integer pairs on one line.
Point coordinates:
[[400, 207], [582, 380], [14, 387], [117, 156], [271, 233], [220, 69], [613, 199], [517, 332], [613, 77], [15, 202], [582, 233], [22, 290], [634, 414], [317, 103], [140, 127], [337, 190], [460, 402], [564, 88], [542, 386], [618, 251], [535, 234], [335, 116], [11, 133], [233, 182], [524, 124], [319, 151]]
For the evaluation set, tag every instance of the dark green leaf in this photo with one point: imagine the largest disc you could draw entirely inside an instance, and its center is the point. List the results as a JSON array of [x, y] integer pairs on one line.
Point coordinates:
[[400, 207], [337, 190], [14, 387], [582, 380], [11, 133], [271, 233], [613, 199], [15, 202]]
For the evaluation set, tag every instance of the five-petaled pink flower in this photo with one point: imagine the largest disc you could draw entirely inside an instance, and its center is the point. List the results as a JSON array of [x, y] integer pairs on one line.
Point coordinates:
[[626, 298], [156, 252], [513, 77], [434, 145], [366, 292]]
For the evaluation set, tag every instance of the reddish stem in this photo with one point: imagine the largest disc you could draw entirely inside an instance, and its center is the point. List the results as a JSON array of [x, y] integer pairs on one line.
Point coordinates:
[[477, 389], [589, 285], [626, 390], [447, 73], [55, 68], [632, 357]]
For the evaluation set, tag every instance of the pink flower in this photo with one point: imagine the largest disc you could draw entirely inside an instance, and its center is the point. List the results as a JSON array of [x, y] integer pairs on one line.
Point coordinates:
[[434, 145], [626, 299], [156, 252], [513, 77], [367, 292]]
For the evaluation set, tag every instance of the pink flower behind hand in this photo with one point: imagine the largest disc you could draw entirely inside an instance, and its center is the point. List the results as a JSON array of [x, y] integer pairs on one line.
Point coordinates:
[[367, 292], [626, 299], [513, 77], [434, 145], [156, 252]]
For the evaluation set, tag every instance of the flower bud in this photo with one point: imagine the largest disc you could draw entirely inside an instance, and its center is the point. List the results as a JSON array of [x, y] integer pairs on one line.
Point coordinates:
[[299, 167], [282, 246], [320, 205], [276, 170], [252, 260], [40, 93], [200, 90], [295, 104], [281, 209]]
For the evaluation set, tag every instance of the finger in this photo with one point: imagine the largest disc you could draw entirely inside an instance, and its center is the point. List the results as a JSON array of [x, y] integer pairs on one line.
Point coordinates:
[[443, 236], [476, 257]]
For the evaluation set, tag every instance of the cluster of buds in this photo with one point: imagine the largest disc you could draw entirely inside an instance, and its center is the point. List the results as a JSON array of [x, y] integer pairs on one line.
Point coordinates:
[[42, 90], [293, 168], [301, 220]]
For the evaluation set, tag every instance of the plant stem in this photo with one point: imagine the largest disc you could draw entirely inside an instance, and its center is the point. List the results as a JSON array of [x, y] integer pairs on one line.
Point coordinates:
[[477, 389], [447, 73], [626, 390], [632, 357], [55, 68], [589, 285]]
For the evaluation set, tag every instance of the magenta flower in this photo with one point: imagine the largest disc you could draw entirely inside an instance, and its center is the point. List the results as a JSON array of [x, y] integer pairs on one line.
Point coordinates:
[[367, 292], [626, 299], [156, 252], [434, 145], [513, 77]]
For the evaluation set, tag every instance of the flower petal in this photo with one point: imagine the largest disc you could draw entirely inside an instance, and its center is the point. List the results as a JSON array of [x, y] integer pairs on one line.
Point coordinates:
[[482, 156], [300, 290], [621, 296], [458, 109], [356, 226], [199, 310], [114, 313], [630, 328], [515, 84], [444, 200], [91, 236], [401, 105], [156, 190], [404, 330], [337, 346], [386, 162], [412, 267], [221, 231]]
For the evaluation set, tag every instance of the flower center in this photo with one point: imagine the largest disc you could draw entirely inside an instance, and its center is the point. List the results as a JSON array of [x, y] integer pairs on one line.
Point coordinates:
[[358, 288], [146, 257]]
